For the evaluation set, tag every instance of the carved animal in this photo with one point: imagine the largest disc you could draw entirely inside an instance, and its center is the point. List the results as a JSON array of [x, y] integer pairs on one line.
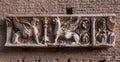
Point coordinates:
[[25, 32], [70, 24], [60, 31]]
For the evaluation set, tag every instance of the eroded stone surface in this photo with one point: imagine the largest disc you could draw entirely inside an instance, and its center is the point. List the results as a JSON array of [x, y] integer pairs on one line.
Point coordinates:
[[63, 30]]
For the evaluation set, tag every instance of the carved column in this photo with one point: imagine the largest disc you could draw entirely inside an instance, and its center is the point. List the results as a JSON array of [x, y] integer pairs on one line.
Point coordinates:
[[93, 20], [46, 39]]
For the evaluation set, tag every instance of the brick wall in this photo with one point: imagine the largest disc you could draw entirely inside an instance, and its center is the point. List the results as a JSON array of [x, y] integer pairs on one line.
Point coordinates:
[[7, 54]]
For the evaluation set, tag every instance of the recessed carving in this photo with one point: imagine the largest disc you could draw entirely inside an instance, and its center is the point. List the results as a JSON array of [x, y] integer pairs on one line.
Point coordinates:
[[65, 29], [84, 29], [104, 32], [55, 30], [22, 31]]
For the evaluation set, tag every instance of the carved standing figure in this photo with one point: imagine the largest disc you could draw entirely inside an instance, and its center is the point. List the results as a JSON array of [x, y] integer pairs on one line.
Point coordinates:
[[101, 35], [23, 31], [60, 31], [84, 35]]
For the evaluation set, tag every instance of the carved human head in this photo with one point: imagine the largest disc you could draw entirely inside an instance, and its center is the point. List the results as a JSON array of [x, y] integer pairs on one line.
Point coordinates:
[[102, 24], [85, 23]]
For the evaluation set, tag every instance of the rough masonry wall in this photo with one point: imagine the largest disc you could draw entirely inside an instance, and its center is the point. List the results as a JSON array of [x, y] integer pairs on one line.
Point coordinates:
[[7, 54]]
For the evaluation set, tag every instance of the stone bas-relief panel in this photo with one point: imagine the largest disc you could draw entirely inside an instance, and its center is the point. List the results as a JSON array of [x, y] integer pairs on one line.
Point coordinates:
[[105, 31], [60, 31], [24, 30]]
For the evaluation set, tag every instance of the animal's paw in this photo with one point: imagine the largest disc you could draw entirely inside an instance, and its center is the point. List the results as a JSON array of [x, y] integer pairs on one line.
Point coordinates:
[[16, 42], [55, 43], [40, 44], [78, 43]]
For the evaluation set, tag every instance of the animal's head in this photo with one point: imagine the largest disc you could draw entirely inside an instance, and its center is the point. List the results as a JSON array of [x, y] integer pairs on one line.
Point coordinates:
[[56, 19], [8, 19], [35, 20]]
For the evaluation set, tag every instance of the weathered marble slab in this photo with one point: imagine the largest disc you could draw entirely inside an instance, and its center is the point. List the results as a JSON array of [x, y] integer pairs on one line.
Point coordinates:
[[58, 30]]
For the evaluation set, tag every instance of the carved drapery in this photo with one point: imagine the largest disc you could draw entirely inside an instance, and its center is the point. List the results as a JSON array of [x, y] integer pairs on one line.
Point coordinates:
[[60, 30]]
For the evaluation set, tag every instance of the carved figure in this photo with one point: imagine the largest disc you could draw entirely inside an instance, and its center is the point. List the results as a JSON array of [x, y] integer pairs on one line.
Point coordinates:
[[60, 31], [111, 34], [85, 24], [102, 25], [23, 31], [101, 35], [85, 38], [111, 38]]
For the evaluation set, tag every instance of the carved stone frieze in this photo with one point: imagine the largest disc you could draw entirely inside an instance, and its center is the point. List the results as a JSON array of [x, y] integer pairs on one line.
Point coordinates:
[[60, 30]]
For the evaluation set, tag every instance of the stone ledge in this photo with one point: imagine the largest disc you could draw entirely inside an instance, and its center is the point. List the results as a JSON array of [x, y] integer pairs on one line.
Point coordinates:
[[60, 15]]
